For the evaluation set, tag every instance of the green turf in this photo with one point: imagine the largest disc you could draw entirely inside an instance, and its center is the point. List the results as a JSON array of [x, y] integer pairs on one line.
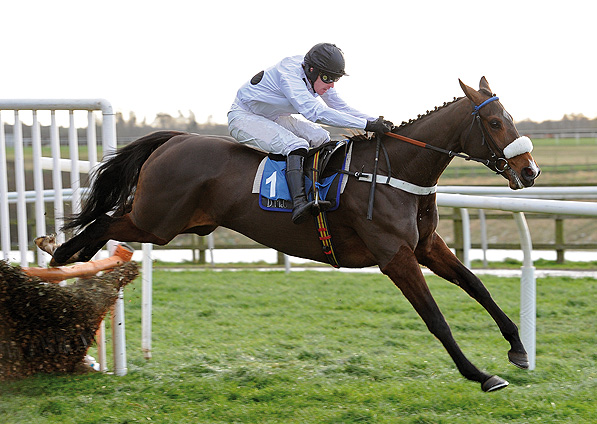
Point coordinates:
[[327, 347]]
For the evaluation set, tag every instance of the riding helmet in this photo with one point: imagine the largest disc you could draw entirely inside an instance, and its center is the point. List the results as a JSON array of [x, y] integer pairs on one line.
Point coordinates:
[[324, 57]]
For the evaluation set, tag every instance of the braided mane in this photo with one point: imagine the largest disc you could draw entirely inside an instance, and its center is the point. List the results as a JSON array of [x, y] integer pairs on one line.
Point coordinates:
[[429, 112], [365, 137]]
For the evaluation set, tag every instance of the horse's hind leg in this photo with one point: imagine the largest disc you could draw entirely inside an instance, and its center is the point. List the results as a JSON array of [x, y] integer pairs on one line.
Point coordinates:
[[405, 272], [84, 245], [439, 258], [88, 252], [88, 242]]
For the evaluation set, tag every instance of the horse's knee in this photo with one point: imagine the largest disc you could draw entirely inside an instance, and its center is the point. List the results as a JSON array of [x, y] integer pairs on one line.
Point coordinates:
[[438, 326]]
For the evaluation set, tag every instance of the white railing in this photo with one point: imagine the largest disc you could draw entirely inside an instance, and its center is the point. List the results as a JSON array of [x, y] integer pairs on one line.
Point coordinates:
[[558, 133], [55, 163], [39, 195], [559, 193]]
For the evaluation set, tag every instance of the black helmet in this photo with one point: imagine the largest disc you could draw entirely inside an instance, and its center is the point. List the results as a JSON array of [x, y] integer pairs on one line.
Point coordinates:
[[326, 59]]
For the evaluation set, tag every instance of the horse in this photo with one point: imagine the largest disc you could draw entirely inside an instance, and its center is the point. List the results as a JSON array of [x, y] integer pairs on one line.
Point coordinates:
[[169, 182]]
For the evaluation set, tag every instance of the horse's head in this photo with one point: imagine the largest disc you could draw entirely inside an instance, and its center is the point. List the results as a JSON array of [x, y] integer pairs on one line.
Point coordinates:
[[509, 154]]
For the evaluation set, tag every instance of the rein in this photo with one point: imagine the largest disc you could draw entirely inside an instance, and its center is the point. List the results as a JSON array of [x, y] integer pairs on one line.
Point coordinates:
[[476, 118], [450, 153], [374, 179], [497, 163]]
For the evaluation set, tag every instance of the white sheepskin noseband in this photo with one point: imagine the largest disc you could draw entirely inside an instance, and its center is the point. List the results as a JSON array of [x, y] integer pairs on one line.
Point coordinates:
[[518, 147]]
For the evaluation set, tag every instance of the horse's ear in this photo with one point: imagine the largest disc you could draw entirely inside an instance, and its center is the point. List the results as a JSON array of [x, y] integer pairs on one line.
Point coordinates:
[[484, 85], [471, 93]]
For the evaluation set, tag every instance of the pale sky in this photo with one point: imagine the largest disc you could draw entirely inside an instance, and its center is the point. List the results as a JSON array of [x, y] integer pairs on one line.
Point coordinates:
[[403, 57]]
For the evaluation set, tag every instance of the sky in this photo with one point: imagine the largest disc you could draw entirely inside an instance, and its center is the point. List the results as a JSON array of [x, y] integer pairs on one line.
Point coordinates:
[[402, 57]]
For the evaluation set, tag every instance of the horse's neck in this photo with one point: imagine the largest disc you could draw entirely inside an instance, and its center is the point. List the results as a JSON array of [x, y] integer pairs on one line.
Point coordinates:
[[443, 128]]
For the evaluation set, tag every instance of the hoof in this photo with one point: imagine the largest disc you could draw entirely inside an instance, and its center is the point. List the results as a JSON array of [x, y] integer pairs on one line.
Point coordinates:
[[494, 383], [521, 360], [47, 243]]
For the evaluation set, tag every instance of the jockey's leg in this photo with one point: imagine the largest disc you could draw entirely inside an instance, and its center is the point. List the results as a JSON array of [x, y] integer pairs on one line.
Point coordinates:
[[301, 208], [262, 133], [316, 136], [287, 136]]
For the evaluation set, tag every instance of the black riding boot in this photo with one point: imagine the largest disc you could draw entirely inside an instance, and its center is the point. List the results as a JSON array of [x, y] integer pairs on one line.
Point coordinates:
[[301, 208]]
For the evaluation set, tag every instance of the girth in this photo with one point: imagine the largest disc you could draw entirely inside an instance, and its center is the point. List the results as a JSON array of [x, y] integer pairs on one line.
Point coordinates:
[[322, 224]]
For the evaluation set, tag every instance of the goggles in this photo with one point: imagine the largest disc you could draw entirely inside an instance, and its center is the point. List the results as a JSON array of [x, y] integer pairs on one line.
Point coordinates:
[[329, 78]]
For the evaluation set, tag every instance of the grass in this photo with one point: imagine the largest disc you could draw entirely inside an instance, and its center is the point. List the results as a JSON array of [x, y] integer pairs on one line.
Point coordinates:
[[309, 347], [510, 263]]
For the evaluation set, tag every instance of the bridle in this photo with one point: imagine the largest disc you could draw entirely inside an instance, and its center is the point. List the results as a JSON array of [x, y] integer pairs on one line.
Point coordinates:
[[498, 162]]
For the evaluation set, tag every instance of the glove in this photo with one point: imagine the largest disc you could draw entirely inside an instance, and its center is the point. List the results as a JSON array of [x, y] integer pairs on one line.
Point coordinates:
[[380, 125]]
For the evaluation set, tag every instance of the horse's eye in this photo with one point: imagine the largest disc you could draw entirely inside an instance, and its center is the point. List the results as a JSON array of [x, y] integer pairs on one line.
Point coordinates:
[[495, 124]]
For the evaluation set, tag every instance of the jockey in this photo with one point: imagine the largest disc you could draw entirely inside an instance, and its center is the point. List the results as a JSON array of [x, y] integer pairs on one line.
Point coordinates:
[[261, 114]]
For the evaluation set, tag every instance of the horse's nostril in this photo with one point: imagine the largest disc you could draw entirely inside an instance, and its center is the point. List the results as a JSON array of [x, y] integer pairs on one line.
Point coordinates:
[[530, 172]]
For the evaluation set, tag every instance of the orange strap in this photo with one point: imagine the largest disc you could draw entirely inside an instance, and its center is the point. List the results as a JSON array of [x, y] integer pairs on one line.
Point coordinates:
[[408, 140]]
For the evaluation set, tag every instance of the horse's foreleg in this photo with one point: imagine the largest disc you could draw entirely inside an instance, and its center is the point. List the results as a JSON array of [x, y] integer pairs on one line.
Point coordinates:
[[439, 258], [406, 274]]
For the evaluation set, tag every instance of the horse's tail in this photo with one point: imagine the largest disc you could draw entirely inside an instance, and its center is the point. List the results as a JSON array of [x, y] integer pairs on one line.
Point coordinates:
[[114, 181]]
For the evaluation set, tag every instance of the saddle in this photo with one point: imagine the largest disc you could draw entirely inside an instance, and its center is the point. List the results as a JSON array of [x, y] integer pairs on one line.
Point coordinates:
[[270, 180], [270, 183]]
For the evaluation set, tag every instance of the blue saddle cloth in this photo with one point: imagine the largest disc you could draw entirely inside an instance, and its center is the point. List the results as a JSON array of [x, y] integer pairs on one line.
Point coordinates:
[[275, 196]]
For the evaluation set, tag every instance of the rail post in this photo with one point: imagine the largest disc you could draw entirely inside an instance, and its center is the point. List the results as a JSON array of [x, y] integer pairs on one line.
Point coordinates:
[[528, 291], [458, 242], [560, 240]]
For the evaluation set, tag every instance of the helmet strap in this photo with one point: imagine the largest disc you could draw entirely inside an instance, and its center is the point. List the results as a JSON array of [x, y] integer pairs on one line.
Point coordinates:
[[311, 74]]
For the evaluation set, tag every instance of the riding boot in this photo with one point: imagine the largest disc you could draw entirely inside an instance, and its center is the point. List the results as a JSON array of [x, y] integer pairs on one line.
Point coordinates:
[[301, 208]]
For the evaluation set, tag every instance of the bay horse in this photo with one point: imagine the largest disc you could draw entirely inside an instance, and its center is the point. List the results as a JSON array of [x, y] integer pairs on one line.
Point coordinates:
[[168, 182]]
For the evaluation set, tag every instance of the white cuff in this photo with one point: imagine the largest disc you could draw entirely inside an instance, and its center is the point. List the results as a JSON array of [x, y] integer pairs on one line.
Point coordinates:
[[518, 147]]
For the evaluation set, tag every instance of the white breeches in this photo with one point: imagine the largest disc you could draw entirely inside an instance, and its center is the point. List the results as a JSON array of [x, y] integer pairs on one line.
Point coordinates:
[[281, 136]]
